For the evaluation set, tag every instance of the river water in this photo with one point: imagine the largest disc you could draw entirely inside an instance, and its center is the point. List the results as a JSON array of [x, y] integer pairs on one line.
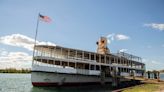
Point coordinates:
[[22, 83]]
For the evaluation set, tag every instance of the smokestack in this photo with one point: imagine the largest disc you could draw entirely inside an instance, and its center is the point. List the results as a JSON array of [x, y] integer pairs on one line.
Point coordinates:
[[102, 46]]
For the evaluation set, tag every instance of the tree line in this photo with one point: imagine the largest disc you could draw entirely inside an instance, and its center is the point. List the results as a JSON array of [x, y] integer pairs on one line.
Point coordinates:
[[162, 71], [14, 70]]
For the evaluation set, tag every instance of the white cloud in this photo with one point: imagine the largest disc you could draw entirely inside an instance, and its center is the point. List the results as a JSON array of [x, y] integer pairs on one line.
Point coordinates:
[[121, 37], [19, 40], [157, 26], [123, 50], [108, 41], [3, 52], [154, 62], [15, 60], [111, 37]]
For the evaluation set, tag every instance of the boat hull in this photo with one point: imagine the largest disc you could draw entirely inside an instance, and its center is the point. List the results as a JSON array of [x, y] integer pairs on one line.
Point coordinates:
[[40, 78]]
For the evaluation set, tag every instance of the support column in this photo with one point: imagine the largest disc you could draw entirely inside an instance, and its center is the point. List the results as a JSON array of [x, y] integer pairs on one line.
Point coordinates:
[[115, 80], [68, 52], [105, 58], [76, 54], [94, 56], [148, 74], [89, 56], [99, 58], [83, 55], [47, 56], [158, 75], [61, 52]]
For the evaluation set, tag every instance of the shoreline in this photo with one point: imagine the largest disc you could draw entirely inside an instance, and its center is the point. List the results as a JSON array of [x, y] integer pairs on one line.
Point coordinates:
[[14, 70], [145, 86]]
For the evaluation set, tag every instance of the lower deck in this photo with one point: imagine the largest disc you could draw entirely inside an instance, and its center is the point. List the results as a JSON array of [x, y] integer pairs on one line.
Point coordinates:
[[42, 78]]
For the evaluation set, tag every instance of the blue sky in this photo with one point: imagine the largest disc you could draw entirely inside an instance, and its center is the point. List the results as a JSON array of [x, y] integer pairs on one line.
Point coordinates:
[[79, 24]]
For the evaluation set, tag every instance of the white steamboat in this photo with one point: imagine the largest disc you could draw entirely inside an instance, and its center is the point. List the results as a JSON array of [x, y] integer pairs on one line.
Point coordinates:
[[60, 66]]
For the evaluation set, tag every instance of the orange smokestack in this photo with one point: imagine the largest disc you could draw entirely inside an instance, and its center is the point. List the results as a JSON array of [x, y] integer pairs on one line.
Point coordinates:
[[102, 46]]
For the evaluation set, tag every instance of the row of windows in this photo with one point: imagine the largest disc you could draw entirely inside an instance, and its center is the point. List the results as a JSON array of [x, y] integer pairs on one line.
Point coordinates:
[[99, 59], [70, 64], [79, 65]]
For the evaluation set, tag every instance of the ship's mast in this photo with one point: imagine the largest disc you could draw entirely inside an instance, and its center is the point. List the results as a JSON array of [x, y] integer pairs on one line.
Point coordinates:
[[35, 37]]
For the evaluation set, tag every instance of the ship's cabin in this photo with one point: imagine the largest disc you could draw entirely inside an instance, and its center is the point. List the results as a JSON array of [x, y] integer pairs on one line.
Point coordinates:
[[57, 56]]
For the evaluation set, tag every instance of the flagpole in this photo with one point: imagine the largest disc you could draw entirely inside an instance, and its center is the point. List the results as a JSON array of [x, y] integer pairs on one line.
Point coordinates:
[[36, 33]]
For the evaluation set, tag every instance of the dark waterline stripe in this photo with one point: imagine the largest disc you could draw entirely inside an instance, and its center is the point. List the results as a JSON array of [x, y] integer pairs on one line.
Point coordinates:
[[55, 84]]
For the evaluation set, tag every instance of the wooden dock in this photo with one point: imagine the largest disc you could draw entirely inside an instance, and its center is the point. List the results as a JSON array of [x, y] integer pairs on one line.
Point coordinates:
[[143, 79]]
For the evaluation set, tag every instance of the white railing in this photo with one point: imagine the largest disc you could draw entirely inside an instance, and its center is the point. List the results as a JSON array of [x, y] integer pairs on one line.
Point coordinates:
[[75, 58], [124, 74], [60, 69], [53, 69], [82, 71]]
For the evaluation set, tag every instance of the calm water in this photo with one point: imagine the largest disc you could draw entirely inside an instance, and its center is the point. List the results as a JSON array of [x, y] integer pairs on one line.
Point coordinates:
[[162, 76], [152, 76], [22, 83]]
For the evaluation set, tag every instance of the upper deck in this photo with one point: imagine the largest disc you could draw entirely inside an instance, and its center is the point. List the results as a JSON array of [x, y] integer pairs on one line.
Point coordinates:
[[119, 59]]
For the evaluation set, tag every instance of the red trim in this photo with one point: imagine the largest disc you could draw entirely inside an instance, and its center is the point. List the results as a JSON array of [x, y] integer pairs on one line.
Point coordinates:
[[43, 84], [65, 84]]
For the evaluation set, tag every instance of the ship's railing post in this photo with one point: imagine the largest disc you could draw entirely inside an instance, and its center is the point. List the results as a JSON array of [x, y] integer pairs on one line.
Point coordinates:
[[114, 77], [68, 53], [105, 58], [50, 52], [82, 55], [41, 52], [114, 60], [94, 55], [99, 58], [54, 52], [89, 56], [47, 55], [76, 54], [61, 52]]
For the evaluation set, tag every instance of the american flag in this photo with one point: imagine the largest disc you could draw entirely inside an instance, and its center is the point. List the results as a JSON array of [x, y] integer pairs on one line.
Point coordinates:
[[45, 18]]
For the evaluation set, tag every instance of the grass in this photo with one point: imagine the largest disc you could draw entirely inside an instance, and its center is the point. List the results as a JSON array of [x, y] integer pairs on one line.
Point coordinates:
[[143, 88]]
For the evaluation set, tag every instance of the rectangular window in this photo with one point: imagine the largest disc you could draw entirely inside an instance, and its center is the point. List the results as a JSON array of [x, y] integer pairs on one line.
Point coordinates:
[[92, 67], [92, 57], [97, 67]]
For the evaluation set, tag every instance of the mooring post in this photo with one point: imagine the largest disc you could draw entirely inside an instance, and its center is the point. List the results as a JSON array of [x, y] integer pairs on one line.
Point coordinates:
[[158, 74], [102, 77], [155, 74], [148, 74], [114, 77]]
